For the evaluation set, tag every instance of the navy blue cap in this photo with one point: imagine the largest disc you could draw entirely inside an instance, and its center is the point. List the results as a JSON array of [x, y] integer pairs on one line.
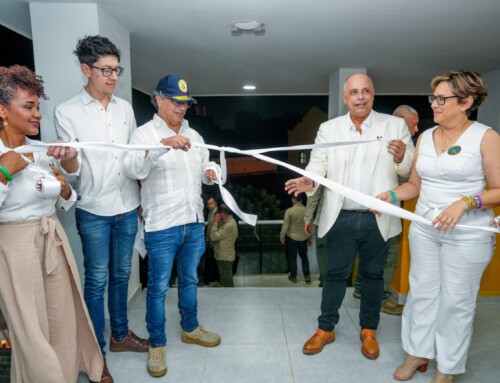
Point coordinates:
[[175, 88]]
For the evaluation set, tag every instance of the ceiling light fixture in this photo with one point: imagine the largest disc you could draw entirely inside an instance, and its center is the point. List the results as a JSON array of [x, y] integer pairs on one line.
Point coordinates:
[[248, 27], [249, 87]]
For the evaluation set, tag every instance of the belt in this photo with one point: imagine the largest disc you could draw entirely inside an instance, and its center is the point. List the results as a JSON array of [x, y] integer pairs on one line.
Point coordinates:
[[355, 211]]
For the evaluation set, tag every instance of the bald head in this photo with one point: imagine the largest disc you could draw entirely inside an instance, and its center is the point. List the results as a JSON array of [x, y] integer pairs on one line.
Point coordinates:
[[410, 116], [358, 96]]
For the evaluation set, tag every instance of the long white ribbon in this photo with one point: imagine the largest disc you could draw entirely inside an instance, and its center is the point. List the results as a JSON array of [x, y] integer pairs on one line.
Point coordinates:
[[363, 199]]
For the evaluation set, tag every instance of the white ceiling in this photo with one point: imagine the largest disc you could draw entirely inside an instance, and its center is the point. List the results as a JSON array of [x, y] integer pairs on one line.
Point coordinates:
[[402, 43]]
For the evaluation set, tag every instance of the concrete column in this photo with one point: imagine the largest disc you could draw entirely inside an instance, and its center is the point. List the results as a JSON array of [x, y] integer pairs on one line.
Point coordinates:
[[489, 113], [56, 29], [336, 106]]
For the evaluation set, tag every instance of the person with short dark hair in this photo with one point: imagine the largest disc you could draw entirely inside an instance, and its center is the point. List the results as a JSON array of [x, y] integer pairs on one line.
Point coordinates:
[[173, 214], [106, 211], [454, 162], [293, 237], [223, 234], [210, 272], [40, 293]]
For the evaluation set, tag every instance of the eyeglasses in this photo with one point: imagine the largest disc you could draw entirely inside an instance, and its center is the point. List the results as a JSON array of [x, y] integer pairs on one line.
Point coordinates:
[[107, 72], [181, 104], [441, 100]]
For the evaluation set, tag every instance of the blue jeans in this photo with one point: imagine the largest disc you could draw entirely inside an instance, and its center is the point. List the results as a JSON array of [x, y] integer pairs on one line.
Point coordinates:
[[108, 243], [354, 231], [188, 242]]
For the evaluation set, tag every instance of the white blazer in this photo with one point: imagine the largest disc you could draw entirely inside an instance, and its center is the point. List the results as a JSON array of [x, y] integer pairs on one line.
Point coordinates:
[[334, 163]]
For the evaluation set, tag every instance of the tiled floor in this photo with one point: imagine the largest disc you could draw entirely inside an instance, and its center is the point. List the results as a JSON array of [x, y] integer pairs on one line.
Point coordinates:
[[263, 330]]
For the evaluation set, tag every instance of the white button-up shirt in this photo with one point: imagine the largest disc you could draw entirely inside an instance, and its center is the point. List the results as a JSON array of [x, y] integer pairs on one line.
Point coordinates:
[[103, 188], [359, 177], [170, 180]]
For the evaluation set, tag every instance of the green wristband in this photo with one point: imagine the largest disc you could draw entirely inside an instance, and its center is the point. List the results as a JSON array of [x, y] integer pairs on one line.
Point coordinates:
[[6, 173], [393, 195]]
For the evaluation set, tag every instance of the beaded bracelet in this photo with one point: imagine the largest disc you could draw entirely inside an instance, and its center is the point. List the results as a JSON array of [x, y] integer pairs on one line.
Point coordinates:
[[470, 201], [393, 195], [6, 173], [479, 201]]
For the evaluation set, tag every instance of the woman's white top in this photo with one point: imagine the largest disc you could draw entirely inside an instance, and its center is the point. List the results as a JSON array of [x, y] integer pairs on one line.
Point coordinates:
[[446, 177], [22, 202]]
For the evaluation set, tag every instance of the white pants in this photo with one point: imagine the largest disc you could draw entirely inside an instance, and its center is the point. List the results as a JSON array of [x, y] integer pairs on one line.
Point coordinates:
[[445, 273]]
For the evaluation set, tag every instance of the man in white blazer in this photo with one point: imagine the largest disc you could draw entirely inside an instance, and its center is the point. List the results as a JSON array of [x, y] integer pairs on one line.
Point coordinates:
[[350, 227]]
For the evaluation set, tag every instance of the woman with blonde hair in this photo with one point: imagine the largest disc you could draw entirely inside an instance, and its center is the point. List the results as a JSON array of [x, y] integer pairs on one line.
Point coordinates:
[[453, 163]]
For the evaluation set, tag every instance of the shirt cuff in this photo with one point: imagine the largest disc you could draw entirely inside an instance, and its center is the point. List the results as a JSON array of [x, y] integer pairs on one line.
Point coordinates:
[[65, 205]]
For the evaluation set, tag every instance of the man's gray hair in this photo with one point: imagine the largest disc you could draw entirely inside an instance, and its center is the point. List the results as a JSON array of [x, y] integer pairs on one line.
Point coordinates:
[[153, 98], [400, 110]]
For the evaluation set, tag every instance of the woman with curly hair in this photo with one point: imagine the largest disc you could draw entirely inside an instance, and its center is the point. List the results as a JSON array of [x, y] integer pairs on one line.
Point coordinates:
[[51, 333], [453, 163]]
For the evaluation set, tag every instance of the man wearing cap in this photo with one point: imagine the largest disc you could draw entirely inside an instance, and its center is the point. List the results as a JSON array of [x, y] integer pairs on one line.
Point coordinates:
[[173, 213]]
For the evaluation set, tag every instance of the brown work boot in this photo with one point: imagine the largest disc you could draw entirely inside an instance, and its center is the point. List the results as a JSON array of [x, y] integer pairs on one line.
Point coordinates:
[[392, 308], [316, 343], [201, 337], [130, 343], [307, 278], [106, 375], [369, 345], [157, 361], [292, 278]]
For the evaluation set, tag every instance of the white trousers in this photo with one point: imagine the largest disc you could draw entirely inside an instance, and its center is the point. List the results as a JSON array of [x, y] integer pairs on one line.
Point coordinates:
[[445, 273]]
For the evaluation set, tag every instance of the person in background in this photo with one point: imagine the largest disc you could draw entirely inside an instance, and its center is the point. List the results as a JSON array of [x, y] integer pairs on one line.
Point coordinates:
[[106, 210], [388, 305], [313, 212], [349, 226], [40, 295], [454, 161], [210, 272], [173, 214], [294, 238], [410, 115], [223, 235]]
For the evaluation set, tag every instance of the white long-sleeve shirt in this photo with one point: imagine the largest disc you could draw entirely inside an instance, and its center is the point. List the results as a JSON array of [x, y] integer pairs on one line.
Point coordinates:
[[19, 200], [103, 188], [171, 180]]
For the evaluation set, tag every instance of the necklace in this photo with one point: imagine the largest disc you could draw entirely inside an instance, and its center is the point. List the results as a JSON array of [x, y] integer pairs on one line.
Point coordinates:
[[445, 142]]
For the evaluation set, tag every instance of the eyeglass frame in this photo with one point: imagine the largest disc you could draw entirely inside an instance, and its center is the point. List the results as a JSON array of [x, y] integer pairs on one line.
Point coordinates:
[[443, 99], [178, 104], [118, 70]]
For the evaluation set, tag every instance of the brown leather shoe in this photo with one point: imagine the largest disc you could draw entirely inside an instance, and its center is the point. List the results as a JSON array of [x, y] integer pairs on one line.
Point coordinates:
[[106, 375], [307, 278], [369, 345], [392, 308], [316, 343], [292, 279], [130, 343]]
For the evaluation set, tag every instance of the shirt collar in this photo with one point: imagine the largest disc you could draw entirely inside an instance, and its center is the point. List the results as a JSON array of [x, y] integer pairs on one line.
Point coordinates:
[[159, 122], [87, 98], [366, 123]]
